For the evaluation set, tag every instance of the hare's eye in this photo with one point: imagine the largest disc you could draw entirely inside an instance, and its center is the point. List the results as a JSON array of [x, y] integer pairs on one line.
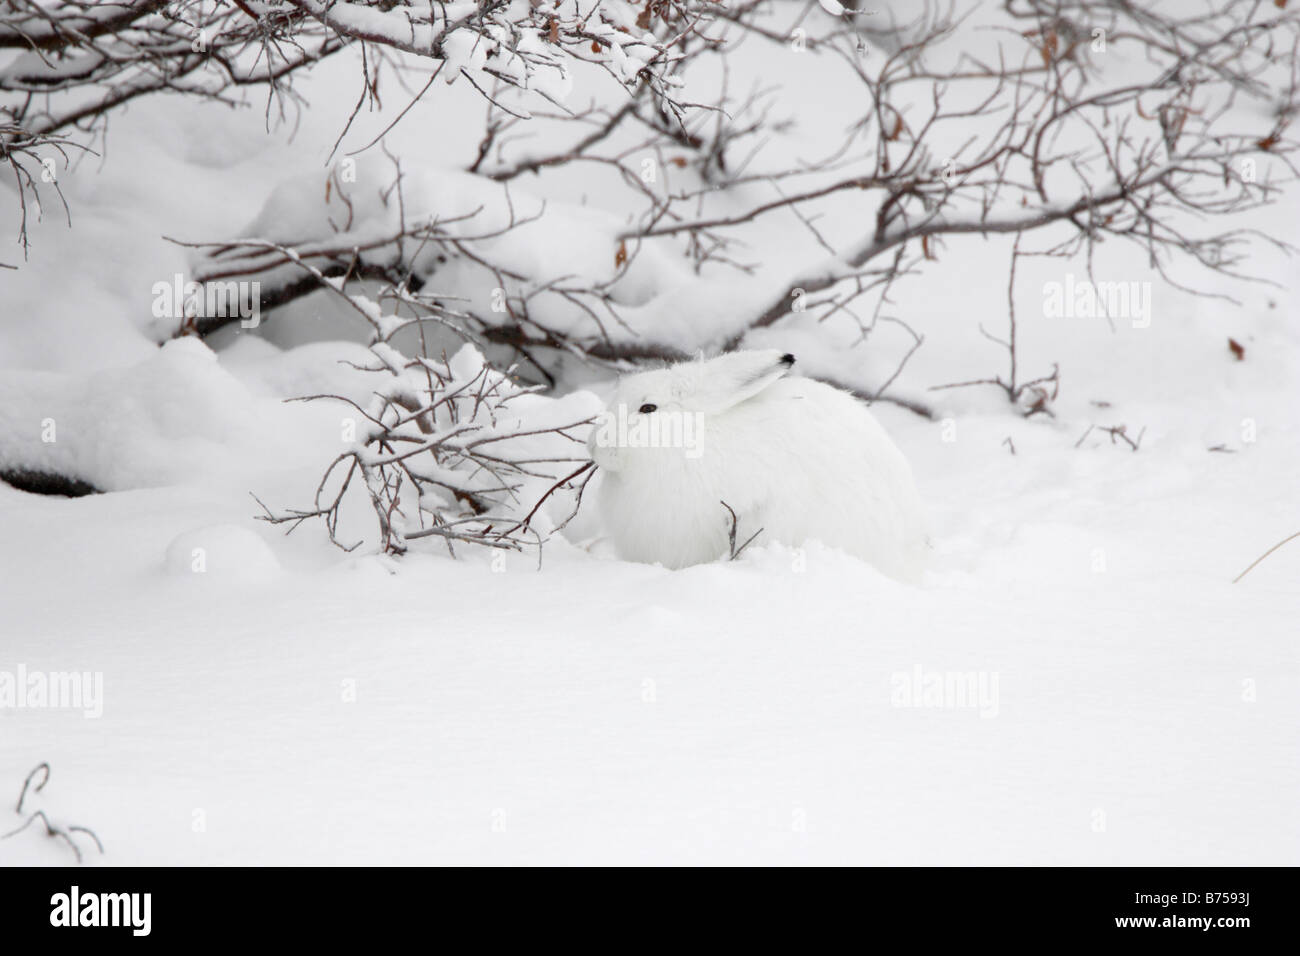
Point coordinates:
[[647, 408]]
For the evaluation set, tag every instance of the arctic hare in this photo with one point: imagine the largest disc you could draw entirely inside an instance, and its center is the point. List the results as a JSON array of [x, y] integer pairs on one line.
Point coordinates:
[[791, 456]]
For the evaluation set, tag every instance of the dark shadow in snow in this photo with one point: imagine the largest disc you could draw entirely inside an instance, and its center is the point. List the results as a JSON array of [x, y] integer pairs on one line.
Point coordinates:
[[47, 483]]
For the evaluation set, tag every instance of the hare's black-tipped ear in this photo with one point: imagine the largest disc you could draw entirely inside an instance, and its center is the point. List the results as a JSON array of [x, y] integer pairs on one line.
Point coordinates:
[[736, 377]]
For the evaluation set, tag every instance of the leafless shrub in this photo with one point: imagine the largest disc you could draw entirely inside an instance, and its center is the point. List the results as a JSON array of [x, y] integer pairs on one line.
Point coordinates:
[[443, 455], [439, 449], [1160, 160], [1033, 396], [77, 61], [1063, 153]]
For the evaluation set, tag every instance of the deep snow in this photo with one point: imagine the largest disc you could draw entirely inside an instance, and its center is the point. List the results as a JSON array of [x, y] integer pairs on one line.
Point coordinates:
[[292, 704]]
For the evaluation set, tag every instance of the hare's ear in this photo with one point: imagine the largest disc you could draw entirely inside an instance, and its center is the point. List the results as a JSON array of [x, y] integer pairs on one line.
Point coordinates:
[[730, 379]]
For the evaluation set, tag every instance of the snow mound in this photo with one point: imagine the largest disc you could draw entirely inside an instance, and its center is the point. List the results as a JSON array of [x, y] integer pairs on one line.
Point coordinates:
[[225, 551], [178, 416]]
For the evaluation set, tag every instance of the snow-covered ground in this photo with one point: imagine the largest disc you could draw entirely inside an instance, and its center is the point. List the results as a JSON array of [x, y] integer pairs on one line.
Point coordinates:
[[294, 704]]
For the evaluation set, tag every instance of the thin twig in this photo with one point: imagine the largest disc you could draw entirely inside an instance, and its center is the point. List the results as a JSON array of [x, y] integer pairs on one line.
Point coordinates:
[[1265, 555]]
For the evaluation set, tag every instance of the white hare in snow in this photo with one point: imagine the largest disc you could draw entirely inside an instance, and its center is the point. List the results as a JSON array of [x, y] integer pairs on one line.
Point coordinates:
[[793, 457]]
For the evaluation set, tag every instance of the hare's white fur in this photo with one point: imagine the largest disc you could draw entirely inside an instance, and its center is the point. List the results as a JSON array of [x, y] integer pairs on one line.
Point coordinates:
[[797, 458]]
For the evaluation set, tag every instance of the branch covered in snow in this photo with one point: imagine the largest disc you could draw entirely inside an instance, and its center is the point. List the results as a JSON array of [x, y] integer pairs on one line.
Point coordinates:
[[1143, 162], [420, 234], [1038, 140], [74, 62], [447, 450]]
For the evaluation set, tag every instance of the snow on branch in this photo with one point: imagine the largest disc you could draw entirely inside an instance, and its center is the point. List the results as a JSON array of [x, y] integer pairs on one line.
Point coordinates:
[[76, 61], [443, 453], [436, 248], [1028, 134], [519, 42], [448, 449]]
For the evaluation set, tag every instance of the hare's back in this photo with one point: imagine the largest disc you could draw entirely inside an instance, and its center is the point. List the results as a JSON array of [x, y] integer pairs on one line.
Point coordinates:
[[847, 455]]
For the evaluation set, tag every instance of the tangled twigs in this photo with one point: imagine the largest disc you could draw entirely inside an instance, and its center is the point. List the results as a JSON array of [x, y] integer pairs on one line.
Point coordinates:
[[1117, 433], [589, 466], [733, 551], [69, 64], [52, 830], [1034, 396], [442, 452]]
